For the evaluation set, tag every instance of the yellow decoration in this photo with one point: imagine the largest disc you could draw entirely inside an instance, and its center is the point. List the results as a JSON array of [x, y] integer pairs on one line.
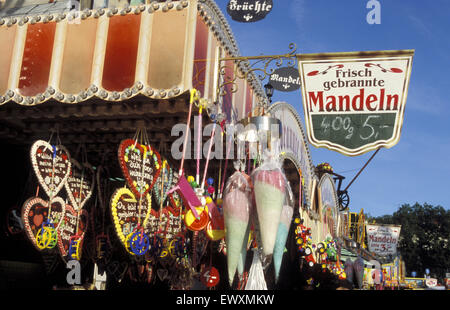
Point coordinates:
[[115, 199], [189, 216]]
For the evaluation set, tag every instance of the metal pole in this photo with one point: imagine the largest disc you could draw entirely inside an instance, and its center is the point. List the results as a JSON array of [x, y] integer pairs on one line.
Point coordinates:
[[373, 155]]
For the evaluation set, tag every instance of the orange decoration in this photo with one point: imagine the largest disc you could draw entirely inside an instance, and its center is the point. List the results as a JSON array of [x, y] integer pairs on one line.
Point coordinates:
[[121, 52], [37, 58]]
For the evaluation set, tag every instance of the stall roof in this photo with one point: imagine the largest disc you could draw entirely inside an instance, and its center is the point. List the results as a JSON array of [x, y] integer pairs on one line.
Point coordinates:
[[94, 76]]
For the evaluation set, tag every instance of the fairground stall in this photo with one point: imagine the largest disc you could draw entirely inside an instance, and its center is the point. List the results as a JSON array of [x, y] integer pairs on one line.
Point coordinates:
[[105, 118]]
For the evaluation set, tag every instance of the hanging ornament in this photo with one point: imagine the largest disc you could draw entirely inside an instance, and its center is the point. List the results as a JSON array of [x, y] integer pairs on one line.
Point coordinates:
[[237, 208], [139, 242], [46, 238], [197, 224], [269, 184], [36, 215], [75, 247], [283, 230], [210, 277], [140, 164], [215, 229], [80, 183], [71, 232], [51, 164], [127, 212], [256, 280]]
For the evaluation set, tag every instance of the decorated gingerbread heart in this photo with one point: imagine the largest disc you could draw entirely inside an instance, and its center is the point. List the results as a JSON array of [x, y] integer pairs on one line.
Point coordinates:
[[170, 222], [51, 165], [126, 209], [35, 213], [73, 226], [80, 183], [140, 164]]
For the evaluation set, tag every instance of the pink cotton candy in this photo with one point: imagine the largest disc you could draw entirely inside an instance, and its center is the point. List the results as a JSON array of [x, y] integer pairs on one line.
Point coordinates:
[[272, 177], [237, 205]]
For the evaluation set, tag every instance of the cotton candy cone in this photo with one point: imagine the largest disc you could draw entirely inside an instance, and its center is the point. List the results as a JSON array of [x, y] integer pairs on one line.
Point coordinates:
[[280, 242], [243, 255], [236, 206], [269, 188]]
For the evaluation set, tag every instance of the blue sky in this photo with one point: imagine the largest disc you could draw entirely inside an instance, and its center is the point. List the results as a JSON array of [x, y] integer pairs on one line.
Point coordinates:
[[417, 169]]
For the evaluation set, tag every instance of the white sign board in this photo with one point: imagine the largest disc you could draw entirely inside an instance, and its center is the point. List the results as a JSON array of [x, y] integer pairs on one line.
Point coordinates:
[[383, 239], [354, 102]]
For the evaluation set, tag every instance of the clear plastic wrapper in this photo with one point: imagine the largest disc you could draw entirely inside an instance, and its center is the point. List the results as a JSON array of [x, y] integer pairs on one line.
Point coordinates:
[[237, 209], [283, 229], [256, 280], [269, 183]]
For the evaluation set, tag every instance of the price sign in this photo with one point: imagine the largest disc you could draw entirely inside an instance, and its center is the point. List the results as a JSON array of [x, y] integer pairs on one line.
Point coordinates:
[[355, 102]]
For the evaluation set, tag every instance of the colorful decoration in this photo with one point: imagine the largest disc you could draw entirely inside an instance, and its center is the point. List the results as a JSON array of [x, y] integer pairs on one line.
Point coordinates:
[[303, 242], [71, 232], [237, 208], [46, 238], [325, 167], [269, 188], [210, 277], [36, 212], [215, 229], [127, 211], [140, 165], [80, 183], [197, 224], [282, 234], [51, 164]]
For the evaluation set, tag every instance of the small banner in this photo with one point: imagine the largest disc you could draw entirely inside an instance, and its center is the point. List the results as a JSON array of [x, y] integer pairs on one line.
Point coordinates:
[[247, 11], [382, 239], [285, 79], [354, 102]]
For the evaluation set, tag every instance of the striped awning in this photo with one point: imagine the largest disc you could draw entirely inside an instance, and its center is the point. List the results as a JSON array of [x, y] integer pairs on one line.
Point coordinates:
[[108, 53], [159, 50]]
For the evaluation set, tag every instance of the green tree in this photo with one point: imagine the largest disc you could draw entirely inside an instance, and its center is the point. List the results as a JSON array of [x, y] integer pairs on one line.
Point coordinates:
[[424, 237]]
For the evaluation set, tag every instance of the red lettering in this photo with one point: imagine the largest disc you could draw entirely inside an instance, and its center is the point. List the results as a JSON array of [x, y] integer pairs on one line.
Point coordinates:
[[313, 98], [359, 97], [389, 99], [369, 100]]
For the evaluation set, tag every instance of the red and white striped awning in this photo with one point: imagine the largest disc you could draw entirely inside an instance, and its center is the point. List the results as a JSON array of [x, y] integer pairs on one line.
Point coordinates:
[[157, 50]]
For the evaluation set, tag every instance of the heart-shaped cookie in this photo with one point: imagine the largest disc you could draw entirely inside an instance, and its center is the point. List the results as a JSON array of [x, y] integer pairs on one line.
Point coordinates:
[[140, 164], [68, 228], [80, 183], [35, 212], [125, 212], [51, 165], [168, 224]]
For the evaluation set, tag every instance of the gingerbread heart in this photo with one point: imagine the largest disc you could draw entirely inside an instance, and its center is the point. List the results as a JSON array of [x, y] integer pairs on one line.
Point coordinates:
[[80, 183], [51, 165], [68, 228], [35, 211], [169, 223], [140, 164], [126, 209]]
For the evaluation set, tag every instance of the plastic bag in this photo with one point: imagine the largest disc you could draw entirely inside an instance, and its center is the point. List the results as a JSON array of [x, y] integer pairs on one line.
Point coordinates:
[[269, 183], [237, 209], [256, 280], [283, 230]]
